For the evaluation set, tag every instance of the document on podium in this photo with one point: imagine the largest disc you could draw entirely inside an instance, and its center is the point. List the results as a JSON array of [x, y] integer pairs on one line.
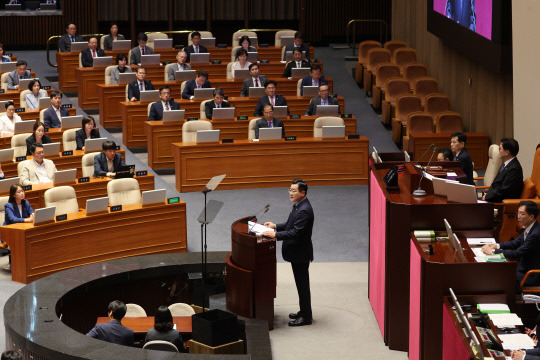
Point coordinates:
[[258, 229]]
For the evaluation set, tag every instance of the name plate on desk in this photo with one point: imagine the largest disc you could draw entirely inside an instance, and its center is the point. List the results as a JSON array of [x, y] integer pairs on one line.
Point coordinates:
[[141, 173], [67, 153], [227, 141], [295, 116], [242, 117], [20, 158], [61, 217], [46, 87], [215, 61], [353, 137], [66, 106], [116, 208], [27, 187], [19, 110], [1, 91], [192, 119], [346, 116], [290, 138], [265, 61], [83, 179], [174, 200], [117, 147]]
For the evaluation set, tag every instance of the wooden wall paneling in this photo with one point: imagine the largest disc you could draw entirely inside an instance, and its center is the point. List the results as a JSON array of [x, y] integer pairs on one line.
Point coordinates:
[[117, 10], [152, 10], [189, 10], [228, 10]]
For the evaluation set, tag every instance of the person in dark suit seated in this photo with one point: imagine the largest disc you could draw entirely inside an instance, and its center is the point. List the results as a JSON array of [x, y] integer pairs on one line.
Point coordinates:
[[457, 144], [508, 184], [113, 35], [88, 55], [218, 102], [298, 44], [163, 329], [87, 131], [114, 331], [255, 80], [297, 247], [322, 99], [195, 47], [180, 65], [269, 121], [108, 162], [38, 136], [244, 43], [142, 49], [314, 78], [526, 248], [200, 82], [141, 84], [17, 209], [296, 63], [166, 103], [532, 354], [64, 44], [270, 98], [52, 116], [20, 72]]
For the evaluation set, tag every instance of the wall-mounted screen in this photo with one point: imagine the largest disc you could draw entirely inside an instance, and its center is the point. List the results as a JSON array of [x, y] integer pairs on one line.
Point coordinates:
[[475, 15]]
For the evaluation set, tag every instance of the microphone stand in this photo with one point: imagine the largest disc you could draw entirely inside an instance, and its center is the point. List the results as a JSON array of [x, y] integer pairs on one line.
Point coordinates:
[[420, 192]]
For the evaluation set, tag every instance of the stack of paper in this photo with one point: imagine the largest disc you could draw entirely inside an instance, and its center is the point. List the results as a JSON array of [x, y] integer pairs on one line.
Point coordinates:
[[480, 241], [258, 229], [505, 320], [516, 341], [493, 308]]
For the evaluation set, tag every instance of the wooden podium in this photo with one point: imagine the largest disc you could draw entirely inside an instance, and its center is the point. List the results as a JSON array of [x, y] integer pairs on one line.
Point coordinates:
[[251, 274]]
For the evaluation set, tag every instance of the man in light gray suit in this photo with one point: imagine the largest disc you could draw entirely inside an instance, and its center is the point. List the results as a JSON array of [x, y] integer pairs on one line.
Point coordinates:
[[38, 169], [181, 65], [19, 73], [253, 81], [322, 99], [142, 49]]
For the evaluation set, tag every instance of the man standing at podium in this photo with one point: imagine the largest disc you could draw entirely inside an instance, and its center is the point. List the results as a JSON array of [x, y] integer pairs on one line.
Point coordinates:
[[297, 247]]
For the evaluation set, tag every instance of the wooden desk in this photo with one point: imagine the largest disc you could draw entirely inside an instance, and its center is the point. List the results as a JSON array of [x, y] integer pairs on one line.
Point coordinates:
[[160, 135], [140, 325], [249, 164], [272, 53], [41, 250], [33, 114]]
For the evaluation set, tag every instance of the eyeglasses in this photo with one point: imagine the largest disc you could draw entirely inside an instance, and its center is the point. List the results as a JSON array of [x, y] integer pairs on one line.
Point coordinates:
[[521, 214], [293, 191]]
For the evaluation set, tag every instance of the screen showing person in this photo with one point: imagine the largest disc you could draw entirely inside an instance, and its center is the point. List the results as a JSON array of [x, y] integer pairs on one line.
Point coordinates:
[[476, 15], [109, 161]]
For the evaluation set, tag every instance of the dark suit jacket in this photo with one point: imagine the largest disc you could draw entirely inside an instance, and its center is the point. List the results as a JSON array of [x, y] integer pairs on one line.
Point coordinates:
[[156, 110], [133, 89], [100, 164], [466, 165], [172, 336], [296, 234], [262, 123], [190, 50], [135, 57], [263, 101], [113, 332], [80, 137], [51, 120], [312, 109], [14, 216], [292, 64], [248, 82], [13, 79], [508, 184], [303, 47], [308, 81], [32, 139], [210, 105], [64, 44], [533, 354], [189, 89], [86, 57], [527, 252]]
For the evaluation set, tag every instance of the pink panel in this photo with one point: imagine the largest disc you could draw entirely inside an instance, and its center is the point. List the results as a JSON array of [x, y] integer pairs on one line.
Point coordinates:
[[414, 303], [377, 238], [453, 347]]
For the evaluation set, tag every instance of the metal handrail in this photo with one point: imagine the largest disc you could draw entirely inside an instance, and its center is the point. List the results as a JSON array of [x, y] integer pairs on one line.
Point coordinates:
[[355, 21], [59, 36]]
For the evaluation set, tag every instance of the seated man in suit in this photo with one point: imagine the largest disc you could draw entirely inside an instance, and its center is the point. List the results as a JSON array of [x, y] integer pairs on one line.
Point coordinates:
[[296, 63], [181, 59], [298, 44], [142, 49], [508, 184], [255, 80], [322, 99], [457, 144], [38, 169], [19, 73], [200, 82], [135, 87], [53, 115], [88, 55], [195, 47], [114, 331], [270, 98], [64, 44], [269, 121], [218, 102], [445, 154], [314, 78], [108, 162], [166, 103]]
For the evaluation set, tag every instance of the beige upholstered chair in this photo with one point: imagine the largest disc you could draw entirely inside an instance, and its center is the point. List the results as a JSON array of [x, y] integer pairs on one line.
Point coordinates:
[[190, 128], [18, 142], [102, 41], [181, 309], [4, 201], [148, 108], [41, 115], [229, 71], [127, 98], [283, 52], [279, 34], [233, 52], [19, 168], [161, 345], [129, 58], [325, 121], [22, 98], [4, 80], [182, 87], [64, 198], [237, 35], [80, 59], [123, 192], [204, 34], [134, 310], [68, 140], [299, 87], [166, 71], [493, 166], [251, 128], [108, 71], [87, 163], [154, 36], [202, 109]]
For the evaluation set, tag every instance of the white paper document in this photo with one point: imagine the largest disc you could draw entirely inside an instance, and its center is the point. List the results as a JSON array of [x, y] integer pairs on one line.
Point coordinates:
[[505, 320], [516, 341], [258, 229], [480, 241]]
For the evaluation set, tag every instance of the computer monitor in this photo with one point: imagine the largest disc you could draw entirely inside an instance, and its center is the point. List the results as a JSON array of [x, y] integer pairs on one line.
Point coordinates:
[[207, 136], [185, 75], [223, 113], [8, 66], [6, 184], [208, 42], [121, 45], [25, 126], [127, 171], [199, 58], [241, 74], [254, 41], [71, 122], [173, 115], [45, 102], [287, 40], [327, 110], [461, 193], [78, 46], [93, 145], [126, 78], [97, 205], [7, 155], [152, 197], [280, 112], [310, 91], [204, 93], [149, 95], [52, 149], [44, 215], [163, 44], [329, 132], [102, 61], [256, 92], [23, 83], [298, 73], [150, 59], [270, 133], [63, 177], [252, 56]]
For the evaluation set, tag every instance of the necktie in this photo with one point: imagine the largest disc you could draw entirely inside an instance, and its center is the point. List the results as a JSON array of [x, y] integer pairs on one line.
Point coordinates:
[[167, 106], [298, 64], [270, 124], [142, 51], [256, 82], [141, 86], [325, 102], [197, 49], [94, 53], [73, 39], [272, 101], [218, 106], [501, 168]]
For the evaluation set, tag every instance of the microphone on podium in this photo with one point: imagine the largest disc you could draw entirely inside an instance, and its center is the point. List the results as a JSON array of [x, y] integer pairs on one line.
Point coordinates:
[[425, 152], [264, 210], [420, 192]]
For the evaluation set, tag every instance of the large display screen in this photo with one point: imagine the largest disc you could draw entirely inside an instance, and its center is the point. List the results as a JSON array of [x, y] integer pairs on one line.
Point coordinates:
[[476, 15]]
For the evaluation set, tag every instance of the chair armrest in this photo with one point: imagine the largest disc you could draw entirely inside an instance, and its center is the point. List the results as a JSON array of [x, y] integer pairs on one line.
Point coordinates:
[[479, 178], [482, 187], [527, 275]]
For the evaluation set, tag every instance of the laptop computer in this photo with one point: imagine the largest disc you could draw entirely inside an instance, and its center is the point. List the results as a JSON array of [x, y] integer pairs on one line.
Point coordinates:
[[199, 58], [256, 92], [152, 197], [149, 95], [461, 193], [127, 171], [327, 110], [287, 40], [270, 133], [126, 78], [329, 132], [241, 74], [252, 56], [25, 126], [280, 111], [8, 66], [223, 113], [6, 184], [185, 75], [173, 115], [64, 177], [52, 149], [45, 102], [299, 73], [7, 155], [440, 186], [44, 215], [71, 122], [163, 44], [150, 59], [204, 93], [208, 42], [93, 145], [207, 136], [254, 41], [23, 83], [289, 55], [97, 205], [121, 45], [78, 46], [310, 91], [102, 61]]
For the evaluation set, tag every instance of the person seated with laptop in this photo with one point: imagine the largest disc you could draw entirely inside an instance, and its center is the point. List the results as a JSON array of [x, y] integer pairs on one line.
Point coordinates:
[[457, 144], [38, 169], [298, 44], [140, 50], [270, 98], [32, 99], [245, 44], [113, 331], [8, 120], [445, 154], [196, 47], [64, 44], [200, 82], [241, 62], [17, 209], [122, 68], [269, 121], [53, 115], [181, 59], [216, 103], [87, 131], [315, 78], [140, 84], [254, 80], [165, 103], [112, 36], [88, 55], [38, 136], [19, 73], [108, 162], [296, 63], [322, 99]]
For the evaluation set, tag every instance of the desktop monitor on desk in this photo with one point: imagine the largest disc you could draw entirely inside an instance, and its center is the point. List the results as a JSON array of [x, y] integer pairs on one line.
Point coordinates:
[[163, 44], [102, 61], [121, 45], [152, 59], [79, 46]]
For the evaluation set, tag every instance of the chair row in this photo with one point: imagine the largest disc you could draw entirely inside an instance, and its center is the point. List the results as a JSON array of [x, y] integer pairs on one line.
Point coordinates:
[[176, 309], [363, 49], [423, 122]]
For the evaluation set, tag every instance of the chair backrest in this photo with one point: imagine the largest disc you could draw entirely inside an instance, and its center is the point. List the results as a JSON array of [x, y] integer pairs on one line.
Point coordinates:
[[202, 114], [190, 128], [41, 115], [396, 86], [437, 103], [424, 86], [251, 128], [449, 122], [22, 97], [495, 162], [419, 122], [87, 164], [183, 86], [299, 87], [123, 192], [412, 71], [204, 34], [154, 36], [129, 58], [181, 309], [18, 142], [237, 35], [161, 345], [403, 56], [3, 201], [233, 52], [127, 92], [108, 71], [377, 56], [4, 81], [166, 71], [80, 59], [384, 72], [64, 198], [279, 34], [283, 52], [102, 41], [68, 140], [325, 121], [229, 70], [406, 104], [148, 108], [392, 45], [363, 49], [134, 310]]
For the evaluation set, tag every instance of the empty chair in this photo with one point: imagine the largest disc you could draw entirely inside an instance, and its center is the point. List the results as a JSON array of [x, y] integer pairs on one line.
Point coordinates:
[[384, 72], [154, 36], [436, 103], [160, 345], [392, 45], [237, 35], [449, 122], [204, 34], [394, 87], [68, 140], [417, 122], [190, 128], [414, 70], [123, 192], [374, 57], [87, 164], [18, 142], [325, 121], [403, 56], [405, 104], [181, 309], [363, 48], [134, 310], [228, 72], [279, 34], [64, 198], [424, 86], [493, 166]]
